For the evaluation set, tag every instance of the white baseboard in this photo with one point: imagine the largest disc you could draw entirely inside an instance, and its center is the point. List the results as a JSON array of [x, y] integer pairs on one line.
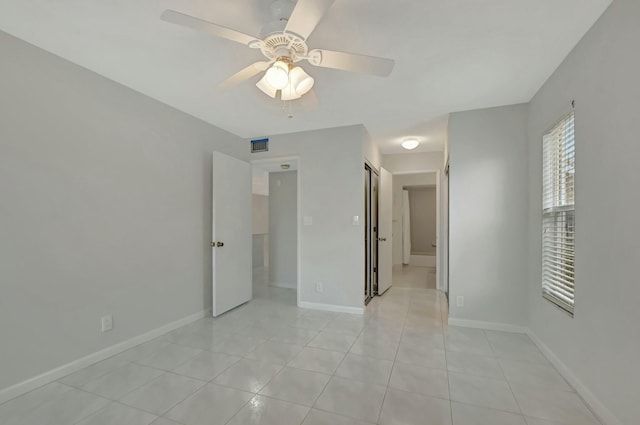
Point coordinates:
[[30, 384], [599, 410], [331, 307], [490, 326]]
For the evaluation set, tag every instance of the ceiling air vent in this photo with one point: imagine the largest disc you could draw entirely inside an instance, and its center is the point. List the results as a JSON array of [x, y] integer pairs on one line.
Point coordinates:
[[260, 145]]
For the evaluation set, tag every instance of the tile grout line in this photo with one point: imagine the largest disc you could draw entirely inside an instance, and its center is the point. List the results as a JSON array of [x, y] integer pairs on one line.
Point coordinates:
[[362, 330], [313, 406], [446, 361], [513, 394], [404, 324]]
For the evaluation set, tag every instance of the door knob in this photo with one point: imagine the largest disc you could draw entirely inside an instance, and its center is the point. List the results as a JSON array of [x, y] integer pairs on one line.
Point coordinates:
[[219, 244], [382, 239]]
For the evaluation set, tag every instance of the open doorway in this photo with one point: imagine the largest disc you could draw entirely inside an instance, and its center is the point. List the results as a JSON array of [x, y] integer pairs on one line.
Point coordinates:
[[275, 228], [415, 230]]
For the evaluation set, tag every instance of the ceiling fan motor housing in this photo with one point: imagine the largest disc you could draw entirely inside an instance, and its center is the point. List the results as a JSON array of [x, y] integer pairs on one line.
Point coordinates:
[[279, 44]]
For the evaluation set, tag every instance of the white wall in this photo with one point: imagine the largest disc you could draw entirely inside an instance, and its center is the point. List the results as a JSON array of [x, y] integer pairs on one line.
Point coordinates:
[[488, 214], [601, 344], [413, 162], [371, 152], [331, 174], [105, 207], [283, 229], [260, 214], [399, 181], [259, 181], [422, 205], [260, 218]]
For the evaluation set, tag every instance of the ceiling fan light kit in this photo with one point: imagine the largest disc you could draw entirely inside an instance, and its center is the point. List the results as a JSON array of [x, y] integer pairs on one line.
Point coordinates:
[[284, 43], [300, 84]]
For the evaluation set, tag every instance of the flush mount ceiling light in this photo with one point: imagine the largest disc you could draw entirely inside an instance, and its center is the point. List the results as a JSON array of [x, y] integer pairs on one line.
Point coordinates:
[[283, 42], [410, 144]]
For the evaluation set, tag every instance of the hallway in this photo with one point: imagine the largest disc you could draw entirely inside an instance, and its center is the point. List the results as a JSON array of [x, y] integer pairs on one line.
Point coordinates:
[[269, 362]]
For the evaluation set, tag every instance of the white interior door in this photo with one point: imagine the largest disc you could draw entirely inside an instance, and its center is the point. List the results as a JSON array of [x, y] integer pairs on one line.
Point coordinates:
[[231, 233], [385, 226]]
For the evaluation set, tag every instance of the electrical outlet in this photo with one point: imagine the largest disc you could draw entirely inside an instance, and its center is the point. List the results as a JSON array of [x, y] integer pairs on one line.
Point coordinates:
[[319, 287], [107, 323], [459, 301]]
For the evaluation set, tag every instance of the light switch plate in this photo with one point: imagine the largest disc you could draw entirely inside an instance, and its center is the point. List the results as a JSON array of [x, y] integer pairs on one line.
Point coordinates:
[[307, 220], [107, 323], [355, 220]]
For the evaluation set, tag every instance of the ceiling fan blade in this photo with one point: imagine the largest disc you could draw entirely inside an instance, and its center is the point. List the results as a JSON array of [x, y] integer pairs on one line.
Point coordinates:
[[209, 27], [305, 17], [351, 62], [243, 75]]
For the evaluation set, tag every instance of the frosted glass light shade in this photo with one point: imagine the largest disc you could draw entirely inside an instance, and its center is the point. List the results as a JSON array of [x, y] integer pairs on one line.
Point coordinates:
[[300, 80], [266, 88], [410, 144], [289, 93], [278, 75]]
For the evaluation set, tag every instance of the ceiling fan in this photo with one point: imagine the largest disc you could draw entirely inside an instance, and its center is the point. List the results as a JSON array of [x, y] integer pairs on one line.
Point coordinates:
[[283, 43]]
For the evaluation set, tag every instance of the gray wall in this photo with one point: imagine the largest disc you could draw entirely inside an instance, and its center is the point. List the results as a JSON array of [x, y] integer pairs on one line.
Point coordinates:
[[601, 344], [283, 229], [422, 205], [105, 206], [331, 174], [488, 214]]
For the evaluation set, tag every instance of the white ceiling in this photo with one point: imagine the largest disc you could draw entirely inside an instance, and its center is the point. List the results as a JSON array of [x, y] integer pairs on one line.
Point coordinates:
[[451, 55]]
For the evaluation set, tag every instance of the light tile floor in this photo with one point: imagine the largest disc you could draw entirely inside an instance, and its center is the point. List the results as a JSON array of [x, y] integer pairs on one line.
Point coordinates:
[[269, 362], [414, 277]]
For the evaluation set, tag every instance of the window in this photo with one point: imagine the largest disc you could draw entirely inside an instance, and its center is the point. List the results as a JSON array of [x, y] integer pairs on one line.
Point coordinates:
[[558, 214]]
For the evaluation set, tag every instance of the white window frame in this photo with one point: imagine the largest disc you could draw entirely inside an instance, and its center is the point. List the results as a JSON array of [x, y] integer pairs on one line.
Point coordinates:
[[558, 214]]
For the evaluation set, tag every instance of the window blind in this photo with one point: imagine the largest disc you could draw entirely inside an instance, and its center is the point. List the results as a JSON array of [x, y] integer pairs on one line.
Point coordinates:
[[558, 214]]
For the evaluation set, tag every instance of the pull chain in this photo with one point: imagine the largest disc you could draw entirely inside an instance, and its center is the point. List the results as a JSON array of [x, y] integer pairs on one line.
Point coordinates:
[[289, 113]]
